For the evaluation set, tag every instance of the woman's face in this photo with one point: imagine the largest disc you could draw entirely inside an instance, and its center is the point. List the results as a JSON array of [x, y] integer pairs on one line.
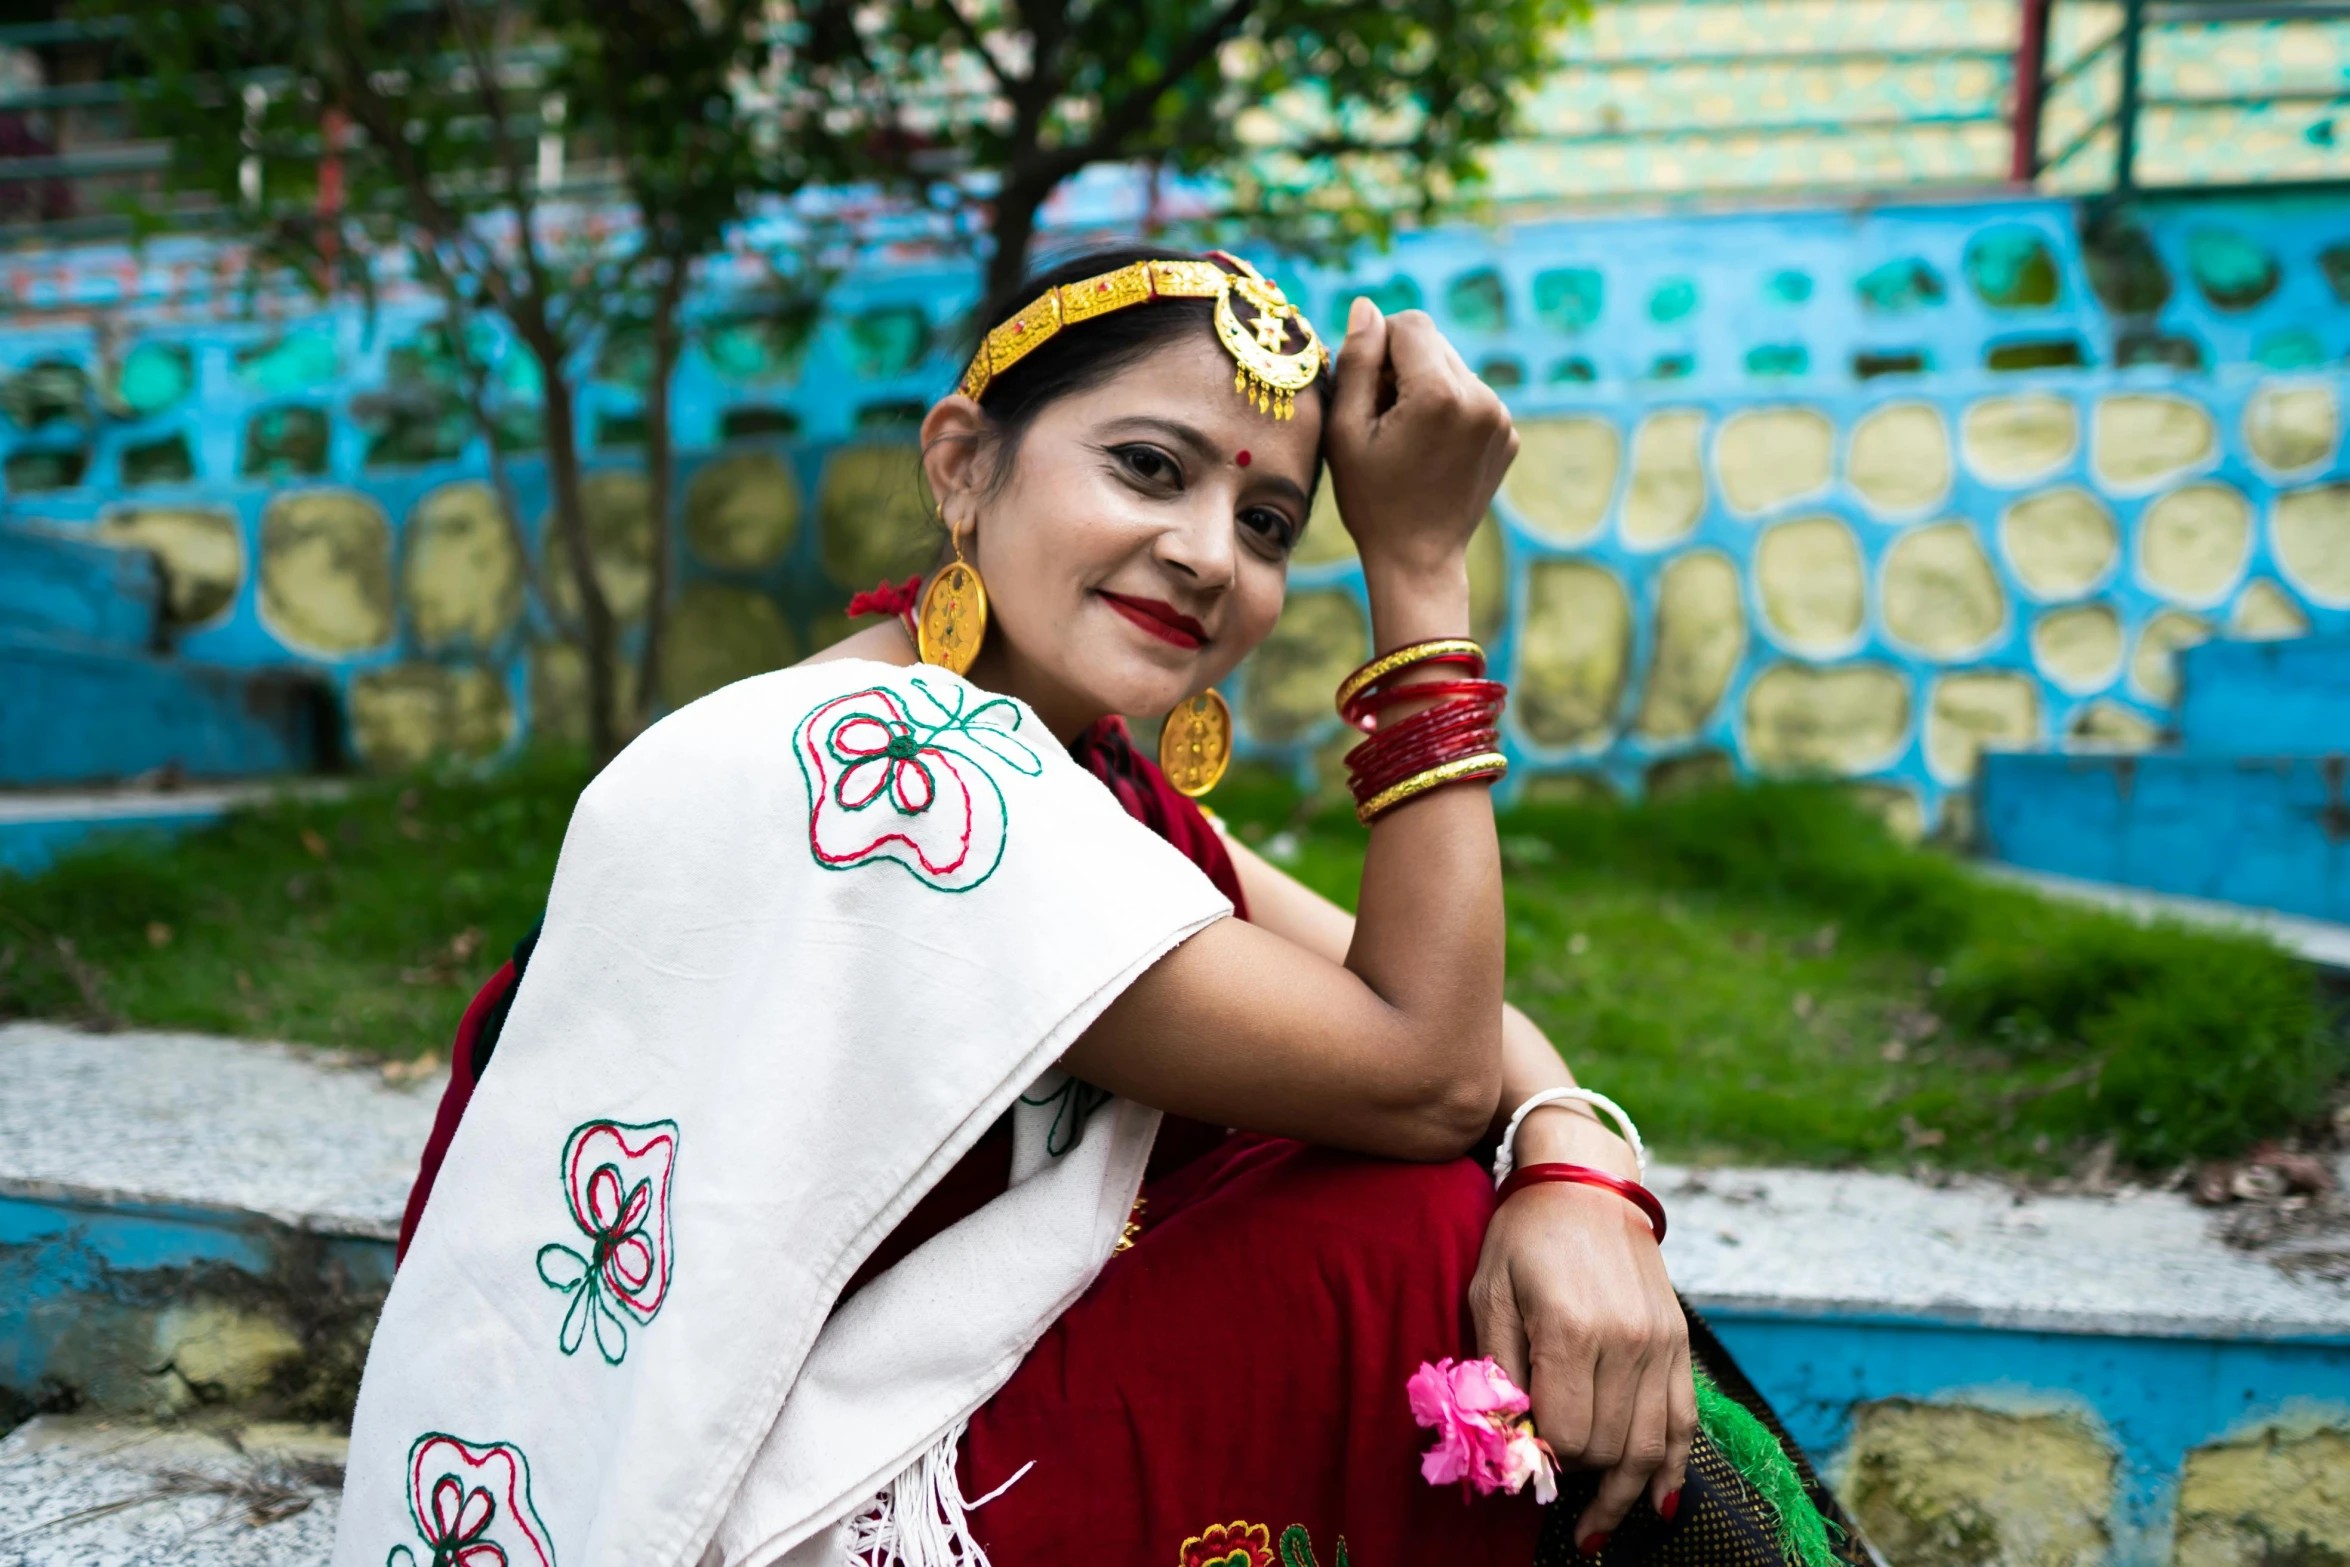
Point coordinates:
[[1139, 544]]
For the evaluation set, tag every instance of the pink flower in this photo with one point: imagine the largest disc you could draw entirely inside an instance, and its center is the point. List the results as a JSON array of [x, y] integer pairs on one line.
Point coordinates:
[[1484, 1435]]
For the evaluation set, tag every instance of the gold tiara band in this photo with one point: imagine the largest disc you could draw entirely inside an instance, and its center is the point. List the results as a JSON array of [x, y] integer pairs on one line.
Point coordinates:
[[1266, 376]]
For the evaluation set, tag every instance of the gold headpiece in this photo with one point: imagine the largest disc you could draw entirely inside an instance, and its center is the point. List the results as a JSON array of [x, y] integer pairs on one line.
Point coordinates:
[[1266, 376]]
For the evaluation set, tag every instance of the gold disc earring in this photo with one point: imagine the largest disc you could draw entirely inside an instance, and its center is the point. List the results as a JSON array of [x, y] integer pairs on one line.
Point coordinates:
[[1195, 743], [953, 619]]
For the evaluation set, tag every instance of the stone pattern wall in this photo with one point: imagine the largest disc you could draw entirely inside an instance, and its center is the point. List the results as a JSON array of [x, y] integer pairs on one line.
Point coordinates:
[[2003, 1483], [1799, 492]]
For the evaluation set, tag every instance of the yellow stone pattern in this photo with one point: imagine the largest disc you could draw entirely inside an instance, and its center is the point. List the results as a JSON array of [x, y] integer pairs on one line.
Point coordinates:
[[200, 554], [2140, 439], [1700, 636], [218, 1354], [617, 506], [1972, 709], [1666, 494], [2079, 648], [2113, 727], [462, 576], [717, 634], [2194, 542], [742, 511], [2277, 1494], [1939, 593], [873, 516], [2060, 543], [409, 713], [1574, 651], [2265, 612], [1812, 584], [326, 572], [2015, 440], [2290, 428], [2310, 531], [1489, 580], [559, 692], [1899, 458], [1564, 477], [1842, 720], [1767, 457], [2154, 672], [1948, 1485], [1321, 636]]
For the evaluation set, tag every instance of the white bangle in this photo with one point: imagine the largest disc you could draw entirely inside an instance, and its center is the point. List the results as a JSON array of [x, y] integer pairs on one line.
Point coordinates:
[[1505, 1158]]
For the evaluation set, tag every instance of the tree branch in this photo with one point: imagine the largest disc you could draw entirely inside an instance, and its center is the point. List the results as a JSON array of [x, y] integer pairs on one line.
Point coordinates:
[[1108, 140], [493, 98]]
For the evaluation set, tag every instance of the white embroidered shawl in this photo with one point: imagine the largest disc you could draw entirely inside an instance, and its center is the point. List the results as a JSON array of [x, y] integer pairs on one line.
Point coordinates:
[[808, 938]]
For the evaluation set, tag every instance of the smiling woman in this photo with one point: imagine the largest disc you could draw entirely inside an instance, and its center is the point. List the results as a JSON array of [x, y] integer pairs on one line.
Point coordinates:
[[1126, 1189]]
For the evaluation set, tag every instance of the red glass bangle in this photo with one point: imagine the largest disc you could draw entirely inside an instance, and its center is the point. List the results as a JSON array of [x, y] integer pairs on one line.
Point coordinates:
[[1435, 724], [1374, 764], [1633, 1192], [1362, 712], [1383, 670]]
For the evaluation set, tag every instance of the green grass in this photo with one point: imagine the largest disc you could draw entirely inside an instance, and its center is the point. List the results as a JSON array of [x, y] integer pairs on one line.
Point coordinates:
[[1758, 973]]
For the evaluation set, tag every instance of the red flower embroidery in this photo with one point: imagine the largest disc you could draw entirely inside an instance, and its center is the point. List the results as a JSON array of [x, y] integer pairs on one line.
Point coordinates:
[[1233, 1544], [909, 776], [471, 1503], [618, 1192]]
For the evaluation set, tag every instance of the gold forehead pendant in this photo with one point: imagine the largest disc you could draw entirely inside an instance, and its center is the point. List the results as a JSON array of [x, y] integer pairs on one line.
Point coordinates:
[[1267, 371]]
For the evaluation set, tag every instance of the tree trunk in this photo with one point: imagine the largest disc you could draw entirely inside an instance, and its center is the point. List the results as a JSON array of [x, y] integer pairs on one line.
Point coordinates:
[[660, 464], [1014, 229], [599, 643]]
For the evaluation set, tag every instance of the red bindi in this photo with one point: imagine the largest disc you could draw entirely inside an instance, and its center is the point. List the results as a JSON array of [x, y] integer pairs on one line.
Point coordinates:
[[1242, 459]]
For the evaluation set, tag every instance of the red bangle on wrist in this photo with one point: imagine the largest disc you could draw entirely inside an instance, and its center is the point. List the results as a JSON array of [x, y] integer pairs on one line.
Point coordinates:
[[1632, 1192]]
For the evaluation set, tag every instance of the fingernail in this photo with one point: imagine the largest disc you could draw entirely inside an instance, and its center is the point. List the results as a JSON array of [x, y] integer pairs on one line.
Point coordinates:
[[1593, 1543], [1358, 313], [1669, 1506]]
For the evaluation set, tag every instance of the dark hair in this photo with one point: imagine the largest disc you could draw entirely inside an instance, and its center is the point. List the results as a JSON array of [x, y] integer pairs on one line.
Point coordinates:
[[1083, 357]]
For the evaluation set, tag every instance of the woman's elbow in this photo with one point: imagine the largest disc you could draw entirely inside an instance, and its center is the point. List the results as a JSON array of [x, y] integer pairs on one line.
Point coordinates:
[[1452, 1114]]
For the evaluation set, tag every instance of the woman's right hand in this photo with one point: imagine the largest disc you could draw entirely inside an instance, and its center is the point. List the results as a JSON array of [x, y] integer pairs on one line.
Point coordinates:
[[1417, 445]]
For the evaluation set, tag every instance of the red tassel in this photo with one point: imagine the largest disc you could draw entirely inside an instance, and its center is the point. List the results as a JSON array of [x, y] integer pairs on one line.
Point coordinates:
[[888, 599]]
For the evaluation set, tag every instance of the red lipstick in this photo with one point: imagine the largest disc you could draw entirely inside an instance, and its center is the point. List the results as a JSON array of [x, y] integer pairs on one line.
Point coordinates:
[[1160, 619]]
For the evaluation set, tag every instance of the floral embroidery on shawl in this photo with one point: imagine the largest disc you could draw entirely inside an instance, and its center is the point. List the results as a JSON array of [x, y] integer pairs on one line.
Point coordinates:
[[470, 1501], [618, 1193], [909, 777]]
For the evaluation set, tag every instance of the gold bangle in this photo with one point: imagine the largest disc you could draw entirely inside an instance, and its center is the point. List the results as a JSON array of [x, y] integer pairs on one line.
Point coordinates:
[[1485, 764], [1404, 657]]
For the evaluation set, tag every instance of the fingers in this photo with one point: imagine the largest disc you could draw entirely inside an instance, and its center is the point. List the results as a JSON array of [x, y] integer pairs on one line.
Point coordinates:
[[1641, 1450], [1501, 1333], [1664, 1491], [1354, 399], [1423, 359]]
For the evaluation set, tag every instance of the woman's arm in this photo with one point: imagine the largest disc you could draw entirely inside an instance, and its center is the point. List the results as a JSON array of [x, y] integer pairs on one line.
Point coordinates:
[[1571, 1294], [1393, 1046]]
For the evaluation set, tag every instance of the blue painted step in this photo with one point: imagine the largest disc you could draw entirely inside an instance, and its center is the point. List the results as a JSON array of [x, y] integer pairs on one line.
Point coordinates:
[[2265, 698], [74, 712], [2270, 831], [65, 587]]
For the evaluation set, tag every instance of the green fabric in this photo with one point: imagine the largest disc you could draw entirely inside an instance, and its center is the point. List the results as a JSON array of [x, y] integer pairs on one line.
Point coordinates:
[[1747, 1443]]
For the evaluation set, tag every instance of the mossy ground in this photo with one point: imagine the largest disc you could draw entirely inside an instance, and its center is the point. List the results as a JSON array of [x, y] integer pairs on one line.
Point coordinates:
[[1761, 972]]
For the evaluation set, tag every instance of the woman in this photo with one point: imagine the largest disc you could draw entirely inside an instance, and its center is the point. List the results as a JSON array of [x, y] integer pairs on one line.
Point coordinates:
[[909, 1257]]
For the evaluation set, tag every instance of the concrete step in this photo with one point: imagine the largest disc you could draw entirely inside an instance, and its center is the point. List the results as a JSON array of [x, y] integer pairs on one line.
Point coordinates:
[[38, 826], [2271, 832], [2265, 698], [191, 1222], [55, 586], [98, 1491], [75, 712]]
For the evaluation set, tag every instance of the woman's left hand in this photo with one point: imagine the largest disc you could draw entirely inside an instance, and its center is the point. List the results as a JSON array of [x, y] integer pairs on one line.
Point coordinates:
[[1572, 1298]]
